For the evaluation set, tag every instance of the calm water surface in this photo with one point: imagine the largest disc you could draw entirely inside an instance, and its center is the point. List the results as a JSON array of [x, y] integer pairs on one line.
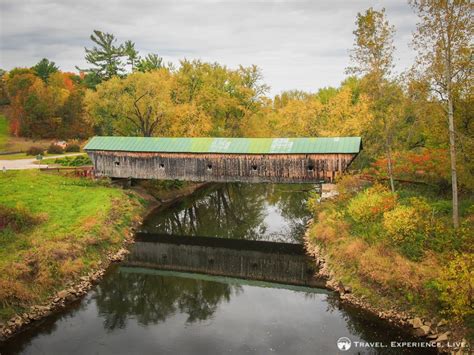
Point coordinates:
[[137, 310], [268, 212]]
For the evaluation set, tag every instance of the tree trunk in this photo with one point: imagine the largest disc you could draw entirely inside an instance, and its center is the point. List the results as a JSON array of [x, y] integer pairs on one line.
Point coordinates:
[[452, 136], [388, 152], [452, 152], [389, 164]]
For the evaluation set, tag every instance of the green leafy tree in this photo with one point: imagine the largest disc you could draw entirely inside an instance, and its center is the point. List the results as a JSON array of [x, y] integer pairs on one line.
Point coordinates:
[[443, 40], [151, 62], [44, 68], [131, 53]]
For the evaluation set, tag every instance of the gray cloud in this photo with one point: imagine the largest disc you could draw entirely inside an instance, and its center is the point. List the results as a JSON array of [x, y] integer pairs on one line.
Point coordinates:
[[297, 44]]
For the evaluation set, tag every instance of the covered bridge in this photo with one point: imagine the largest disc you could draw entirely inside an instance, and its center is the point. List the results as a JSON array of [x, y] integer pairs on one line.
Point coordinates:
[[223, 159]]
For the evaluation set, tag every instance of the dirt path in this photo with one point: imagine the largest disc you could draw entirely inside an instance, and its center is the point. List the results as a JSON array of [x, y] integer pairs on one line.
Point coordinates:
[[22, 164]]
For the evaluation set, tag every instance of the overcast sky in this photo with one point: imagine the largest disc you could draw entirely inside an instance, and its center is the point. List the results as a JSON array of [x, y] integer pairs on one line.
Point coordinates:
[[297, 44]]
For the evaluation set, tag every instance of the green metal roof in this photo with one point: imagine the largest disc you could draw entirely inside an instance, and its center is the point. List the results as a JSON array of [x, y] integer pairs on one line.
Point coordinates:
[[351, 145]]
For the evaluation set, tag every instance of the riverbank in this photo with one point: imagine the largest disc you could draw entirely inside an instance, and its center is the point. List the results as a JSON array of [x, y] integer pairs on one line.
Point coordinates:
[[58, 235], [396, 256]]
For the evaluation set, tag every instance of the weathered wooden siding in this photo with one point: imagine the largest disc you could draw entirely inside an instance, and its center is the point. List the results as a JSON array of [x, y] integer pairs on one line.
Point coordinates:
[[221, 167]]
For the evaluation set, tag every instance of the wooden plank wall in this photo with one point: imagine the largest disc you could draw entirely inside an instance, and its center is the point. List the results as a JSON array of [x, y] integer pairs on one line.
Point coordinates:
[[221, 167]]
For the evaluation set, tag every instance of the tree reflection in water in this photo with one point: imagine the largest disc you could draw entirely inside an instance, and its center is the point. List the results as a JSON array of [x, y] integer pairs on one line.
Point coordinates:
[[240, 211], [151, 298]]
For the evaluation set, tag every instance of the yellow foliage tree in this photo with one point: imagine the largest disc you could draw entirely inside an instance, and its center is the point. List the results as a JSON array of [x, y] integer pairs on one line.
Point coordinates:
[[139, 105], [343, 117]]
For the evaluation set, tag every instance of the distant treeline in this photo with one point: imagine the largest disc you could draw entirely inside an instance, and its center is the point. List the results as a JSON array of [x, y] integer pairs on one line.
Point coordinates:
[[123, 93]]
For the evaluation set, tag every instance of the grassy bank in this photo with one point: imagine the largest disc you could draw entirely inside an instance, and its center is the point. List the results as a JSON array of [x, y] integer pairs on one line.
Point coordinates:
[[53, 229], [398, 251]]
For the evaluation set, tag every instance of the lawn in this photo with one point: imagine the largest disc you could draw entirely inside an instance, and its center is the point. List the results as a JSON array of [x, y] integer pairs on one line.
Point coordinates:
[[54, 229]]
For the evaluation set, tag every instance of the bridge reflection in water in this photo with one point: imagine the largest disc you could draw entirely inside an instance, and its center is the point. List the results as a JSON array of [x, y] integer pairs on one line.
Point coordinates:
[[246, 259], [247, 231]]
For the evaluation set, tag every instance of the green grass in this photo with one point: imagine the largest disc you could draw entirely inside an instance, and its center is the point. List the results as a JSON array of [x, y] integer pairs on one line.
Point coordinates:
[[3, 132], [15, 156], [80, 220]]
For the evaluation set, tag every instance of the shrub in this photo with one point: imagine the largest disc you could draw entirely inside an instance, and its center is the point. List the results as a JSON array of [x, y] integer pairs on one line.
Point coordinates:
[[401, 223], [456, 285], [55, 149], [349, 185], [405, 230], [73, 148], [80, 160], [368, 206], [427, 165], [34, 150]]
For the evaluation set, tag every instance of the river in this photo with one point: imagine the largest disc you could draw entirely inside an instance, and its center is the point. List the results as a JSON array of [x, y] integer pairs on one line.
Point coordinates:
[[222, 271]]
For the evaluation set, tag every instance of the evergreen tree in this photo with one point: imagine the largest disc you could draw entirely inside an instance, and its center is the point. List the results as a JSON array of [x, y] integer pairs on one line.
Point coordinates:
[[44, 68], [106, 56]]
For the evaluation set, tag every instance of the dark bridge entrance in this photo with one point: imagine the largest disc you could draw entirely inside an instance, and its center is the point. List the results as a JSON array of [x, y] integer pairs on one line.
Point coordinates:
[[281, 160]]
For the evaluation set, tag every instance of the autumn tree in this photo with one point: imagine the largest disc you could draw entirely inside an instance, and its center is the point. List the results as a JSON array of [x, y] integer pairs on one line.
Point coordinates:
[[18, 83], [343, 116], [372, 57], [51, 109], [138, 105], [4, 99], [330, 112], [229, 97], [298, 118], [443, 40]]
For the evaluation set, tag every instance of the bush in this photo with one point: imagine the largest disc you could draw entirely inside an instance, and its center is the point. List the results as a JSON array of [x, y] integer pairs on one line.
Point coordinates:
[[34, 150], [426, 165], [369, 205], [73, 148], [348, 185], [456, 286], [55, 149], [80, 160], [401, 223], [405, 229]]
